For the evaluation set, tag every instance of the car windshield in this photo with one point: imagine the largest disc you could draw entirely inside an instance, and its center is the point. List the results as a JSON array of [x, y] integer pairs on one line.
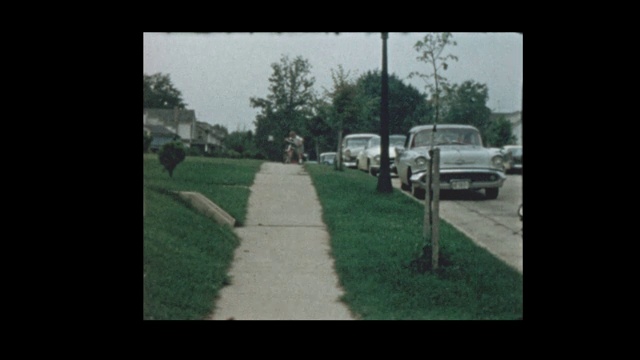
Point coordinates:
[[357, 142], [394, 140], [448, 137], [374, 141]]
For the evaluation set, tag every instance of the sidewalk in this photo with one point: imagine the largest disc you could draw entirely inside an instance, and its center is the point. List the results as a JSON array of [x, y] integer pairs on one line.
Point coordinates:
[[282, 269]]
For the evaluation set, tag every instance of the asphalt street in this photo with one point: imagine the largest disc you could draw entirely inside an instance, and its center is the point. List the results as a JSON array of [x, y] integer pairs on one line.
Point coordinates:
[[491, 224]]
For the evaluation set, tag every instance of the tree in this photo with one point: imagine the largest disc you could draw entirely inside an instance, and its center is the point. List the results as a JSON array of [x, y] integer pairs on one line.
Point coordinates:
[[430, 49], [407, 105], [467, 104], [241, 143], [345, 107], [171, 154], [321, 131], [159, 92], [500, 133], [286, 107]]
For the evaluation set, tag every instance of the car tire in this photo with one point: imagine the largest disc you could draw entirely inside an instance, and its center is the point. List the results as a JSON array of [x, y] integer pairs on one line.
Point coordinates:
[[407, 186], [372, 172], [418, 193], [404, 186], [491, 193]]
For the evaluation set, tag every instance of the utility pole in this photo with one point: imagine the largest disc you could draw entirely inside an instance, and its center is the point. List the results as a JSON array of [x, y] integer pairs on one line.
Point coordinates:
[[384, 177]]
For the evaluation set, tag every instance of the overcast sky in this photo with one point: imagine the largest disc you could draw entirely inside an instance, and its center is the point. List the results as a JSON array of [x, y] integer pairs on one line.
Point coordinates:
[[217, 73]]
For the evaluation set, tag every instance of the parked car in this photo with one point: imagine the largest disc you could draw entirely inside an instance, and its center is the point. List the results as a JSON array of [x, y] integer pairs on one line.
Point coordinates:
[[327, 158], [351, 146], [464, 162], [513, 158], [369, 158]]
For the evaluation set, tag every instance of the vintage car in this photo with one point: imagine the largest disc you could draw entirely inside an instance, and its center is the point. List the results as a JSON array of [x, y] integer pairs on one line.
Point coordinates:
[[513, 158], [464, 162], [351, 146], [369, 158], [327, 158]]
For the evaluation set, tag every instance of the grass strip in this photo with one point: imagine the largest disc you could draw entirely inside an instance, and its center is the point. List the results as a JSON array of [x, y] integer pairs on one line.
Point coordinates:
[[375, 237], [186, 255]]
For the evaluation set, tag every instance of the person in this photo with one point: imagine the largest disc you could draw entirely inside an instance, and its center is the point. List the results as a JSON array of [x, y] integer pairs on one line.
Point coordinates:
[[298, 144]]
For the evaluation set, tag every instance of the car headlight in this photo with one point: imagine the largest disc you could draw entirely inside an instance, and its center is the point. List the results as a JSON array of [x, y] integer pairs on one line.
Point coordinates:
[[421, 161], [498, 162], [376, 158], [347, 153]]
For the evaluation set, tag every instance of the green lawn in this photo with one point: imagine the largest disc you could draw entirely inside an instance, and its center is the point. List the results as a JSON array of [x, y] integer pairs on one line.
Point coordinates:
[[187, 255], [375, 237]]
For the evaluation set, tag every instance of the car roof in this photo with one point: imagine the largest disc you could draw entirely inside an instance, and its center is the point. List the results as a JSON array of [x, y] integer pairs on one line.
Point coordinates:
[[390, 136], [328, 153], [359, 135], [441, 126]]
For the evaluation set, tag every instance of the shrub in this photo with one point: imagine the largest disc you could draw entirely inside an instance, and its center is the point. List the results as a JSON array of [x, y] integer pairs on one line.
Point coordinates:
[[195, 151], [171, 154]]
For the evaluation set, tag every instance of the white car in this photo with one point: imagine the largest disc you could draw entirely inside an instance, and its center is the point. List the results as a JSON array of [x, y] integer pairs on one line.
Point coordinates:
[[327, 158], [369, 159], [351, 146], [464, 162]]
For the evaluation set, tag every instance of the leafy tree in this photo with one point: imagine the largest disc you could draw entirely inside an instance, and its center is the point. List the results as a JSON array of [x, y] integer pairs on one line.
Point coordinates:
[[159, 92], [407, 105], [242, 144], [288, 106], [467, 104], [171, 154], [430, 49], [500, 133], [323, 136], [346, 108]]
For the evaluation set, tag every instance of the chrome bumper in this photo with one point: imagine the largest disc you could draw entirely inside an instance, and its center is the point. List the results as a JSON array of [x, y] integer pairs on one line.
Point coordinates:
[[419, 179]]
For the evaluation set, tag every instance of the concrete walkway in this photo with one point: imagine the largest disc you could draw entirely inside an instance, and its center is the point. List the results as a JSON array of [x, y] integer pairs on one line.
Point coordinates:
[[282, 269]]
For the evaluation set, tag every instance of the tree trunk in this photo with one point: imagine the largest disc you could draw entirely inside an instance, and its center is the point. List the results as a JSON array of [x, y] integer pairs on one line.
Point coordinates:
[[436, 209]]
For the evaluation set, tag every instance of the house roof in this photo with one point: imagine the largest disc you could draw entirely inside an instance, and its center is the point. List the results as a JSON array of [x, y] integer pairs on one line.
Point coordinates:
[[171, 115], [159, 130]]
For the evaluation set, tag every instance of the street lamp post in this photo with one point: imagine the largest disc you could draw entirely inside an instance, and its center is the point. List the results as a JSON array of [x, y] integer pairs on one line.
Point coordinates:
[[384, 177]]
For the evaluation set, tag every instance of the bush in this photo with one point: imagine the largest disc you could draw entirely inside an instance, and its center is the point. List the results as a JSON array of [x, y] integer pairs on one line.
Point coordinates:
[[233, 154], [195, 151], [171, 154]]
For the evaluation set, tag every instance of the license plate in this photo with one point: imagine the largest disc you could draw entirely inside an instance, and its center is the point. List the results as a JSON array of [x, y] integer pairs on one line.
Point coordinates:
[[460, 184]]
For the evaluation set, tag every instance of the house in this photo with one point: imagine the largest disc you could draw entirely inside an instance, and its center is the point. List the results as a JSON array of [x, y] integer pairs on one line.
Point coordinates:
[[207, 138], [160, 135], [166, 124], [515, 118], [181, 122]]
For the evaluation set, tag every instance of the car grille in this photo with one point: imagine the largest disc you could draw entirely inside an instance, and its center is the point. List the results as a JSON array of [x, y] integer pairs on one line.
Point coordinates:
[[473, 176]]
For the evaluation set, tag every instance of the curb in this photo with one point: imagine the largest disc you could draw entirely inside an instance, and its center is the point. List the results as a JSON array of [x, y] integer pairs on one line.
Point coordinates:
[[208, 207]]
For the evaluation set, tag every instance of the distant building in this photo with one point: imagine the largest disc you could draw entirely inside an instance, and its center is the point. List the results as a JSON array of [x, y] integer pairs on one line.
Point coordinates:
[[515, 118], [165, 125], [181, 122], [207, 138], [160, 135]]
